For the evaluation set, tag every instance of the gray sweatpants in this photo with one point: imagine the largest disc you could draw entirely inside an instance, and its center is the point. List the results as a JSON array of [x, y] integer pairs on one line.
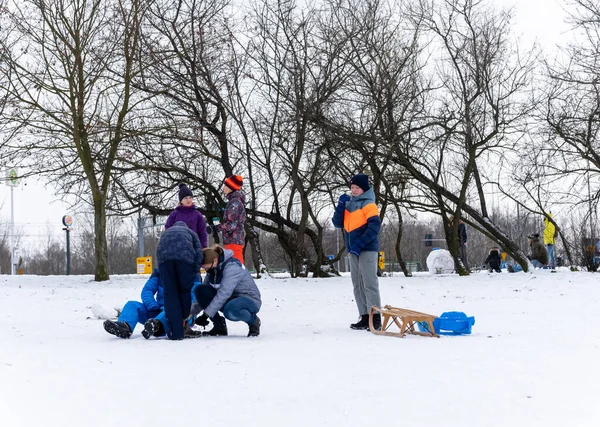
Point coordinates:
[[363, 271]]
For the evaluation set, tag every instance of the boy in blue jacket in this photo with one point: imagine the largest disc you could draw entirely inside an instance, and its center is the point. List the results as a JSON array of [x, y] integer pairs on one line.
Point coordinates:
[[358, 215], [135, 312], [150, 312]]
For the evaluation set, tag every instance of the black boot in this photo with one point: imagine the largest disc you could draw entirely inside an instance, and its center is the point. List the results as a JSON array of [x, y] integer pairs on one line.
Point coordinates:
[[153, 328], [119, 329], [254, 329], [188, 332], [363, 323], [377, 321], [219, 327]]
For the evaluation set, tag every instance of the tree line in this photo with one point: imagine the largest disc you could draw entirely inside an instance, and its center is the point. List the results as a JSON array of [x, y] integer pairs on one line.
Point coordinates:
[[117, 101]]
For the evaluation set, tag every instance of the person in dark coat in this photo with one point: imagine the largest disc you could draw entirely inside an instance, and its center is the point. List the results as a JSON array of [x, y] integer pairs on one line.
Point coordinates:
[[494, 260], [462, 241], [179, 256], [234, 217], [229, 288], [186, 211], [538, 255]]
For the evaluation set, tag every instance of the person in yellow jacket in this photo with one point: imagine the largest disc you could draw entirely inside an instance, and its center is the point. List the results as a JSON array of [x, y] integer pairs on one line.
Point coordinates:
[[549, 236]]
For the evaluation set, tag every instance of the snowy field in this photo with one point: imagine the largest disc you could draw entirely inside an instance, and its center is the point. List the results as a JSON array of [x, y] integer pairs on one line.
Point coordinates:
[[533, 358]]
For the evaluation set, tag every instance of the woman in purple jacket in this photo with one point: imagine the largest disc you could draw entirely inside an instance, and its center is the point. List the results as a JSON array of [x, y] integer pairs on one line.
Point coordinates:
[[186, 212]]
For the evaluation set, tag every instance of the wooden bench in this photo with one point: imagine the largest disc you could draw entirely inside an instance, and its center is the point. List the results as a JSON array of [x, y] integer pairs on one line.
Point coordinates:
[[406, 320]]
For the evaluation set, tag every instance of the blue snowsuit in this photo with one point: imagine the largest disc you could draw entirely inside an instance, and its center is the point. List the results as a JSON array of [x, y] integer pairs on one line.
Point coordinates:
[[152, 304], [135, 312]]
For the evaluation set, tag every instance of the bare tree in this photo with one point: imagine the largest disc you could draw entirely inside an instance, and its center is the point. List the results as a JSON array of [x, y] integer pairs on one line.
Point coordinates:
[[70, 65]]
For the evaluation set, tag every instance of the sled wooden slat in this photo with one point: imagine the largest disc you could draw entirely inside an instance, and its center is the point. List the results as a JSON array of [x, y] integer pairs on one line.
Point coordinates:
[[405, 320]]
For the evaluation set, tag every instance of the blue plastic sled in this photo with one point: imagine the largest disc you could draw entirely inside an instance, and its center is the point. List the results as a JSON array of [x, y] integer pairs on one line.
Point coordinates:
[[450, 323]]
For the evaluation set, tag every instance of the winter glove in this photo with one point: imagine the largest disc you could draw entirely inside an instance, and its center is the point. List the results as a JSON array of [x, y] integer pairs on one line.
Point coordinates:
[[344, 198], [202, 320]]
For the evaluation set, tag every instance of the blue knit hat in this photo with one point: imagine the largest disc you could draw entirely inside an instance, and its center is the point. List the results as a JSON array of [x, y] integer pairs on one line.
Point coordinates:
[[361, 180], [184, 191]]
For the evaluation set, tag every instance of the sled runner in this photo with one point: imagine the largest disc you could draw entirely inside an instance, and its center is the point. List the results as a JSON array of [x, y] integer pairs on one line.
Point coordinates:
[[406, 320]]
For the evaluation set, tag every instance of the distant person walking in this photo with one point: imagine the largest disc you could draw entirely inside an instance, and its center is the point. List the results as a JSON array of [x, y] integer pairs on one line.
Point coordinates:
[[234, 217], [358, 215], [462, 241], [186, 211], [550, 233]]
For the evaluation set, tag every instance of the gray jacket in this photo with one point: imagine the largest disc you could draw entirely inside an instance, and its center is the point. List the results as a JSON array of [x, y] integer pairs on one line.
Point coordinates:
[[179, 243], [230, 280]]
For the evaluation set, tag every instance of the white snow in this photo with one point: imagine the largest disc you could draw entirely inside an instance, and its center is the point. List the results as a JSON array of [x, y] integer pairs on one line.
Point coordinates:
[[532, 359], [439, 262]]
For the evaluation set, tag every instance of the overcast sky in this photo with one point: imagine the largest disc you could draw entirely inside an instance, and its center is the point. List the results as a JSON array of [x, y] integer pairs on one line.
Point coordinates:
[[37, 210]]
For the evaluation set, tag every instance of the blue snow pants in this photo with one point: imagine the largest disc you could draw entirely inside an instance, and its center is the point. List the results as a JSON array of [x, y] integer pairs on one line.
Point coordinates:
[[135, 312]]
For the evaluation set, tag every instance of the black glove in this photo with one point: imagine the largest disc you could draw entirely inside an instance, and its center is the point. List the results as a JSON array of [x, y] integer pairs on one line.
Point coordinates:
[[202, 320]]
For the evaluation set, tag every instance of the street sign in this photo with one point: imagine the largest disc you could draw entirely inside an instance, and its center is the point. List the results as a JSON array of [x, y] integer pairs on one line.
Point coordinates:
[[67, 220], [12, 178]]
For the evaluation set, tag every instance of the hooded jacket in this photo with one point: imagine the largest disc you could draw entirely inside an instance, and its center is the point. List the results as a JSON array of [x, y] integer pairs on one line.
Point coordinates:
[[230, 280], [494, 259], [549, 231], [179, 243], [234, 217], [361, 223], [538, 250]]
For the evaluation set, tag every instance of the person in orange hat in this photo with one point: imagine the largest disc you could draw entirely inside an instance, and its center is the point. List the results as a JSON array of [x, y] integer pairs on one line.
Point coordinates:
[[234, 217]]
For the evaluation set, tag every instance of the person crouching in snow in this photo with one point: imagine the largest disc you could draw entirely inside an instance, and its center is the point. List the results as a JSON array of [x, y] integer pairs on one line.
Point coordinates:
[[179, 256], [186, 211], [135, 312], [234, 217], [359, 216], [229, 288], [494, 260], [538, 255]]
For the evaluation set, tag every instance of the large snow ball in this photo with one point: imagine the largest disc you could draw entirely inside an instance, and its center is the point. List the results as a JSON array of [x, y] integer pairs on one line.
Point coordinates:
[[440, 261]]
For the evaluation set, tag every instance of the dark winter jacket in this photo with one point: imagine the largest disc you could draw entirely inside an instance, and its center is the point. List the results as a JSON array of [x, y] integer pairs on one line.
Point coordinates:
[[494, 259], [179, 243], [538, 250], [234, 218], [230, 280], [192, 218], [462, 233], [153, 287], [361, 223]]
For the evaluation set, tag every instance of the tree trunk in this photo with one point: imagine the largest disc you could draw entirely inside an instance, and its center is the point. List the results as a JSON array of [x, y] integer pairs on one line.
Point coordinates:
[[257, 258], [398, 241], [100, 241]]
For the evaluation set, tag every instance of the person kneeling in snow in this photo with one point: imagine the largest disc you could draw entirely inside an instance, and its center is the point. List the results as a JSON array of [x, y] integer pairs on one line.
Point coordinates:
[[149, 312], [494, 260], [538, 255], [229, 288]]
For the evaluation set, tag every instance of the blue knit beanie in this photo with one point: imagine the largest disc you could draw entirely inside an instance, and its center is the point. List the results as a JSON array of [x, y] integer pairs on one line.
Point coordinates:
[[184, 191], [361, 180]]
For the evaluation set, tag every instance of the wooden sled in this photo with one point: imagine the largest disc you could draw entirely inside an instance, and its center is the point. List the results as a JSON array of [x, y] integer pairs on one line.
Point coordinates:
[[406, 320]]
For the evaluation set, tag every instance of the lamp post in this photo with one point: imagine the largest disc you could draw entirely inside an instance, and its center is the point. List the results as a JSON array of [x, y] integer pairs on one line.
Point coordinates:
[[67, 221], [12, 180]]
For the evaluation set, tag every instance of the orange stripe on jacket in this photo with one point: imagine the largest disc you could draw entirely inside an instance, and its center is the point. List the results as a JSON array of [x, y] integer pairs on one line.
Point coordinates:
[[358, 218]]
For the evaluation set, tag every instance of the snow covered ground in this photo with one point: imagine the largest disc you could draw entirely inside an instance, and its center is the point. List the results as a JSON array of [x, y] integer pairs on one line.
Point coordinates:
[[532, 360]]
